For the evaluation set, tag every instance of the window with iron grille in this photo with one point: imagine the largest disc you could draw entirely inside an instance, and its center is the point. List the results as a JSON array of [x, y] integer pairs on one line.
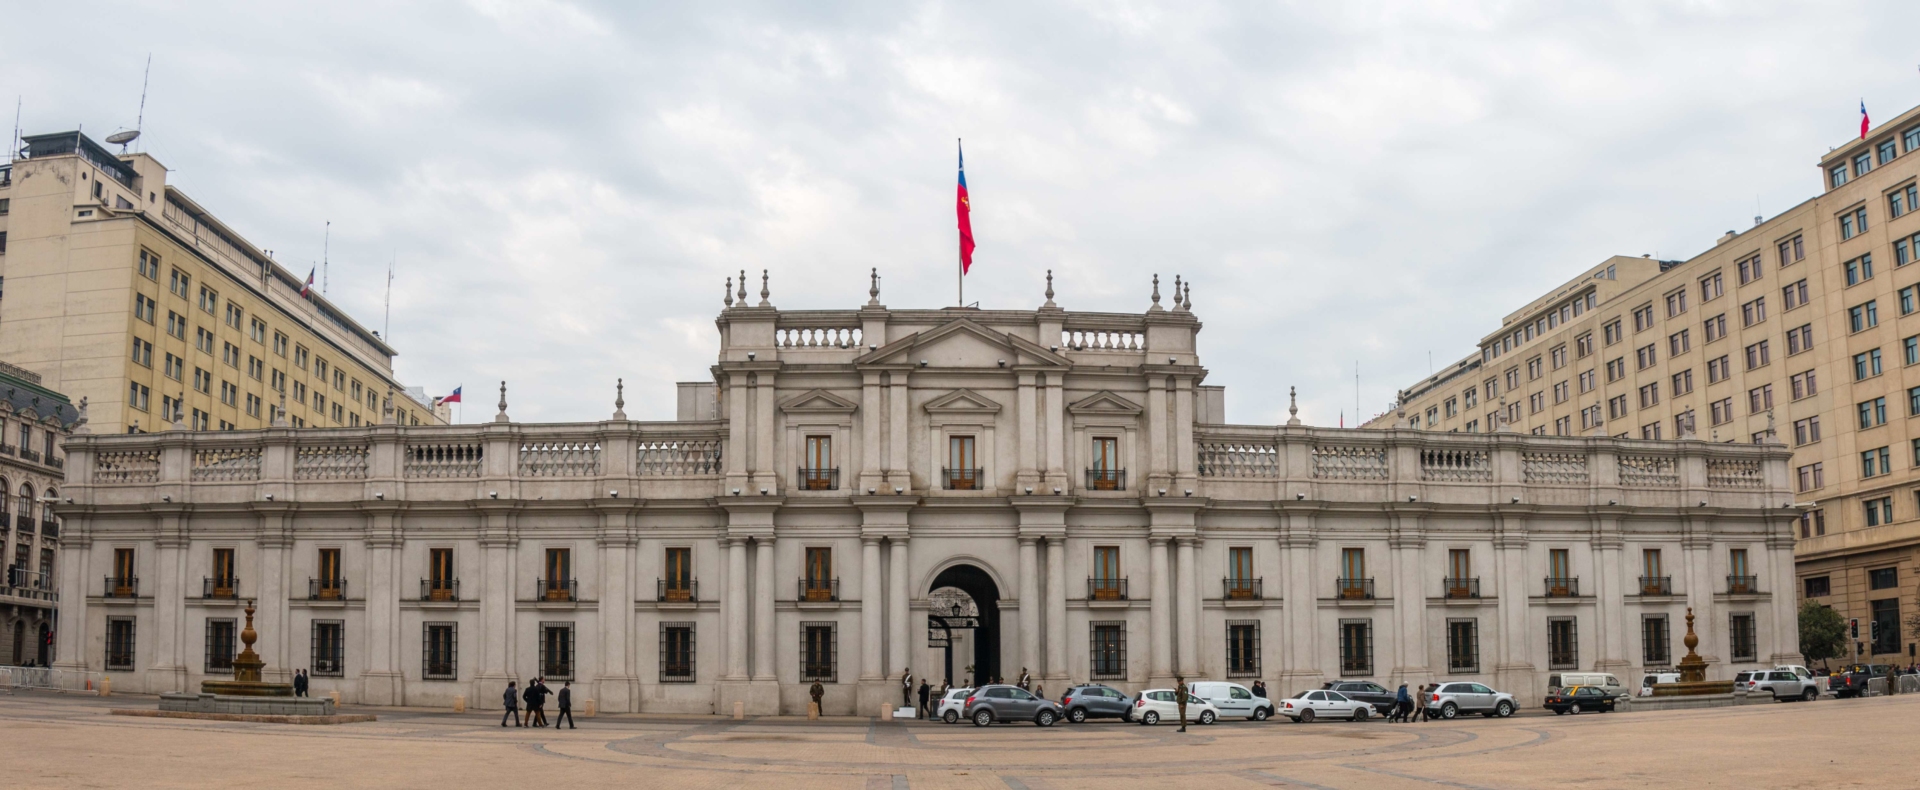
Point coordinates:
[[819, 652], [1463, 645], [1656, 647], [1108, 650], [1740, 637], [556, 651], [119, 643], [1243, 649], [329, 648], [1563, 646], [220, 646], [1356, 647], [676, 653], [440, 651]]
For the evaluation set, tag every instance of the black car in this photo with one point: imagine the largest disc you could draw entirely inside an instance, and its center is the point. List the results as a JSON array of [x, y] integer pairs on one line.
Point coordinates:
[[1380, 697], [1095, 701], [1580, 698], [1853, 682]]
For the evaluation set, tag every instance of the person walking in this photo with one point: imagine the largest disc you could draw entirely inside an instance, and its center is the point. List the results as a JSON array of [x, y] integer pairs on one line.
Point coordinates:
[[300, 683], [925, 690], [566, 706], [816, 691], [532, 697], [512, 702], [1180, 698], [1402, 705]]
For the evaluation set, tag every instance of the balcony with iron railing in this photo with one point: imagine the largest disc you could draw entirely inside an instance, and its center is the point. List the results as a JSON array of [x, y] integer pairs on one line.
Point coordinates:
[[8, 449], [50, 529], [220, 588], [439, 589], [30, 455], [326, 589], [557, 590], [1563, 586], [121, 587], [1353, 589], [1461, 587], [1106, 479], [57, 463], [30, 585], [24, 522], [817, 479], [962, 479], [1743, 585], [819, 590], [677, 591], [1242, 589], [1656, 585], [1099, 589]]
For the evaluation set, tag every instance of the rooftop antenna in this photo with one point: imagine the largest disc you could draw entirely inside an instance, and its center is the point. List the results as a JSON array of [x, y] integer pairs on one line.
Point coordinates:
[[123, 138], [14, 148], [386, 320]]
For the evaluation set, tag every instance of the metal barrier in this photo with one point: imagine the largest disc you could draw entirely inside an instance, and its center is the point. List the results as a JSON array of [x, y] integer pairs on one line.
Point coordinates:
[[48, 678], [1877, 687], [1909, 684]]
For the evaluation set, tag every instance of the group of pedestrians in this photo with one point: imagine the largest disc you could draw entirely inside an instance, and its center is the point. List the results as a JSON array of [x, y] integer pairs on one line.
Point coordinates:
[[535, 696], [1406, 708]]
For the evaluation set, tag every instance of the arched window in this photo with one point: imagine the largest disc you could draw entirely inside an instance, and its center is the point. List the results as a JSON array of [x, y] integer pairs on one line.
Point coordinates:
[[25, 502], [4, 488], [47, 512]]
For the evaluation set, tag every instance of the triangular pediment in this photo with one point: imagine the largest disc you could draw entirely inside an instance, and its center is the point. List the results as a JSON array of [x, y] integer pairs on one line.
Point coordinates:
[[1104, 402], [818, 401], [961, 343], [963, 401]]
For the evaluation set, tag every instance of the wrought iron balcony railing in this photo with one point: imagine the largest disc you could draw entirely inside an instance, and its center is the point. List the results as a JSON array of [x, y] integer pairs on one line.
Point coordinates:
[[557, 589], [326, 589], [1354, 589], [1242, 589], [1106, 479], [1461, 586], [439, 589], [1106, 589], [1563, 586], [819, 590], [678, 591], [220, 587], [962, 479], [817, 479], [1743, 585], [121, 587], [1656, 585]]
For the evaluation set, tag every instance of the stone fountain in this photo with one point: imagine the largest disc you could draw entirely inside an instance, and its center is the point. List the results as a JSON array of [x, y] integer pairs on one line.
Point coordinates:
[[246, 671], [1693, 673], [246, 697]]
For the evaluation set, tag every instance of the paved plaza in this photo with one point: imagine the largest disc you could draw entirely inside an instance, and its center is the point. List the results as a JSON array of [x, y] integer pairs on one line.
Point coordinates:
[[66, 741]]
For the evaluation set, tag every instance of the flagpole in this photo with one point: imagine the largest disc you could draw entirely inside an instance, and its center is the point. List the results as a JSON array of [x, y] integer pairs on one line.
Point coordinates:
[[959, 261]]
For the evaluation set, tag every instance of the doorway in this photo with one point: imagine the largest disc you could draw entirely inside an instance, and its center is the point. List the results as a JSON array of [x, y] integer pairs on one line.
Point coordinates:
[[979, 589]]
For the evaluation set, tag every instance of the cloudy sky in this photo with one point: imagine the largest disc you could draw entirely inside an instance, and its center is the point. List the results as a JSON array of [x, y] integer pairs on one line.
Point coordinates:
[[565, 186]]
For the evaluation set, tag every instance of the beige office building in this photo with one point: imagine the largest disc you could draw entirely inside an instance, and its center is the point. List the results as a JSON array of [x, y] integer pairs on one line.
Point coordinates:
[[122, 291], [1801, 329]]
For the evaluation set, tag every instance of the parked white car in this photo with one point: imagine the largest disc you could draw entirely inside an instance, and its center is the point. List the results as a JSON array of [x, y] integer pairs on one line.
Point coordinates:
[[1646, 683], [1320, 704], [953, 705], [1156, 704], [1233, 700], [1783, 684]]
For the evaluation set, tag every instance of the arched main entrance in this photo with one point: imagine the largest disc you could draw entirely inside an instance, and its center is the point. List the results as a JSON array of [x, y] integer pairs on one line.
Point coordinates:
[[985, 595]]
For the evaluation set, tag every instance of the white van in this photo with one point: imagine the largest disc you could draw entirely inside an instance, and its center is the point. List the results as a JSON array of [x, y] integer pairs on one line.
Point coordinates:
[[1646, 683], [1561, 680], [1232, 700]]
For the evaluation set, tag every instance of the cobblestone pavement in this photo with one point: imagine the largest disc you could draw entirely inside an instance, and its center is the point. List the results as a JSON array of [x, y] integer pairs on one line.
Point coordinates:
[[50, 740]]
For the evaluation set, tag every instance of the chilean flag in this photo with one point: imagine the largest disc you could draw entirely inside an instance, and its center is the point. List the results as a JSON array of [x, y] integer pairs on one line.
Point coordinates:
[[454, 398], [964, 209], [1863, 126], [308, 287]]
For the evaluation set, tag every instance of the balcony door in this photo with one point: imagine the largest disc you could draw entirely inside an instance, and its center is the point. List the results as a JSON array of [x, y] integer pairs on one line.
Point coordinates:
[[1559, 568], [440, 570], [1353, 573], [816, 476], [1240, 572], [123, 580], [962, 472], [223, 573], [679, 575], [559, 574], [819, 581], [329, 574], [1106, 573], [1106, 464], [1653, 580], [1459, 570]]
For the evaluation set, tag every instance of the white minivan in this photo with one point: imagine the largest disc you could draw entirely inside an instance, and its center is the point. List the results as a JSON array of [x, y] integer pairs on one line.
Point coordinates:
[[1563, 680], [1233, 700]]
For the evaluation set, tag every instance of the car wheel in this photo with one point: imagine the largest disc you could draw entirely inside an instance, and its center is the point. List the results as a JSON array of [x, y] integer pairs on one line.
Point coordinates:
[[982, 718], [1449, 711], [1360, 713], [1045, 719], [1559, 711], [1503, 710], [1808, 695], [1206, 717], [1575, 710], [1306, 716], [950, 716], [1150, 717], [1261, 714], [1077, 715]]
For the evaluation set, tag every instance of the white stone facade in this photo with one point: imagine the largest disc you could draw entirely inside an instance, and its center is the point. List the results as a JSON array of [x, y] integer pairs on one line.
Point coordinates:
[[1275, 509]]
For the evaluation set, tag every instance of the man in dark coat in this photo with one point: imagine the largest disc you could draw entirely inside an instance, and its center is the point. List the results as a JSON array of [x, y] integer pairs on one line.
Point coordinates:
[[300, 683], [925, 689], [512, 702], [1180, 698], [566, 706], [816, 691], [532, 697]]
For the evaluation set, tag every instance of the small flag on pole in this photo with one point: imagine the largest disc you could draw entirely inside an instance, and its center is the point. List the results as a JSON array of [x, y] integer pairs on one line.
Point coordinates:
[[964, 209], [307, 288], [1863, 120], [454, 398]]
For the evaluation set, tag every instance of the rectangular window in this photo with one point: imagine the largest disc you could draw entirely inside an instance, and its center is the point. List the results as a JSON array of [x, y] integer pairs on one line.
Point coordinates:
[[1910, 348], [1683, 424], [1558, 355], [1758, 355], [1616, 370], [676, 653], [1760, 399], [1616, 407], [1806, 385], [1643, 318], [1714, 328], [962, 474], [1818, 587], [1243, 649], [557, 585], [119, 643], [1560, 392], [222, 638], [1533, 368], [1676, 303], [1583, 345], [442, 583], [439, 651], [1883, 578], [1806, 431], [818, 584], [817, 470], [1866, 364], [1794, 295], [1753, 312], [1799, 339], [1650, 395], [1711, 287], [819, 651], [149, 265], [1749, 269], [1813, 523], [179, 284], [1107, 650], [556, 651], [1679, 343], [1611, 331], [1860, 269], [1587, 381], [1563, 645], [1886, 621], [1646, 356], [329, 648], [1356, 647], [1836, 177], [1107, 585], [1683, 382], [1655, 647], [677, 581], [1811, 476], [1863, 316], [1717, 370], [1887, 150], [1650, 431], [1463, 645], [1879, 511], [1871, 412], [1875, 462], [222, 573]]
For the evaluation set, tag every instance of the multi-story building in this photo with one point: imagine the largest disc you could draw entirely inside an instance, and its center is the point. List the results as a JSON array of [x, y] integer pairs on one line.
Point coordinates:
[[1804, 329], [857, 494], [122, 290], [33, 422]]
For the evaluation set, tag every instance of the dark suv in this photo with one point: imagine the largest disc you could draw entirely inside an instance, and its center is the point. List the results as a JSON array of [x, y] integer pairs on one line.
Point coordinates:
[[1010, 703], [1853, 681], [1366, 691], [1094, 701]]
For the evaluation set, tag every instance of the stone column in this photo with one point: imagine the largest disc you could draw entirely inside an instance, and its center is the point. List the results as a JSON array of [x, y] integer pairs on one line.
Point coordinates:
[[870, 617], [614, 688], [1409, 602], [870, 417], [764, 474], [1056, 409], [1189, 608], [1026, 414], [899, 466], [496, 612], [1301, 667], [1056, 628], [169, 669], [276, 645], [1182, 448], [734, 608], [1697, 547], [1159, 468], [738, 395], [1030, 607], [381, 683], [1160, 612], [1514, 672], [1611, 586], [74, 568], [899, 636], [763, 589], [1786, 617]]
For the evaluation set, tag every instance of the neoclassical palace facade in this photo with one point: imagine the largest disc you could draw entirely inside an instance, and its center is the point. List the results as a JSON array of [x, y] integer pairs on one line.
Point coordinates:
[[957, 493]]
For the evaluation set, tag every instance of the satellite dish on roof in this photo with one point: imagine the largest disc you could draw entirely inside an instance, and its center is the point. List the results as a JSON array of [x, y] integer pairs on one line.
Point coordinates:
[[122, 138]]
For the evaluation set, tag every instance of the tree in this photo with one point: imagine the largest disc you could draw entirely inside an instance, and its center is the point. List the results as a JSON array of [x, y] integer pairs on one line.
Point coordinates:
[[1823, 634]]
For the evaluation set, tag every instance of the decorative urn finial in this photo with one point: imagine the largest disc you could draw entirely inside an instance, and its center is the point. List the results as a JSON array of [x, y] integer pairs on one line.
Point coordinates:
[[1156, 294], [502, 416], [764, 293], [1050, 288], [873, 290], [1176, 293], [729, 291], [1293, 406], [620, 399], [743, 287]]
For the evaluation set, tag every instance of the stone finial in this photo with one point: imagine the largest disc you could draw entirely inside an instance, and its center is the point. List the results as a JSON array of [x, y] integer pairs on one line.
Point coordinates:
[[743, 288], [1176, 293], [764, 293], [502, 416], [280, 412], [1050, 289], [80, 422], [873, 290], [1186, 303], [1293, 406], [619, 399], [179, 418], [729, 291], [386, 409], [1156, 294]]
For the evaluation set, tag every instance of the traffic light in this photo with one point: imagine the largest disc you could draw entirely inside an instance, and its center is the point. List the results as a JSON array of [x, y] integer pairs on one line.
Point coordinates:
[[1873, 631], [1853, 627]]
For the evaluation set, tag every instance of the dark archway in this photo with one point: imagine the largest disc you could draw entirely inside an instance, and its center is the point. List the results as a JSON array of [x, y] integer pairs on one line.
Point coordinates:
[[986, 595]]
